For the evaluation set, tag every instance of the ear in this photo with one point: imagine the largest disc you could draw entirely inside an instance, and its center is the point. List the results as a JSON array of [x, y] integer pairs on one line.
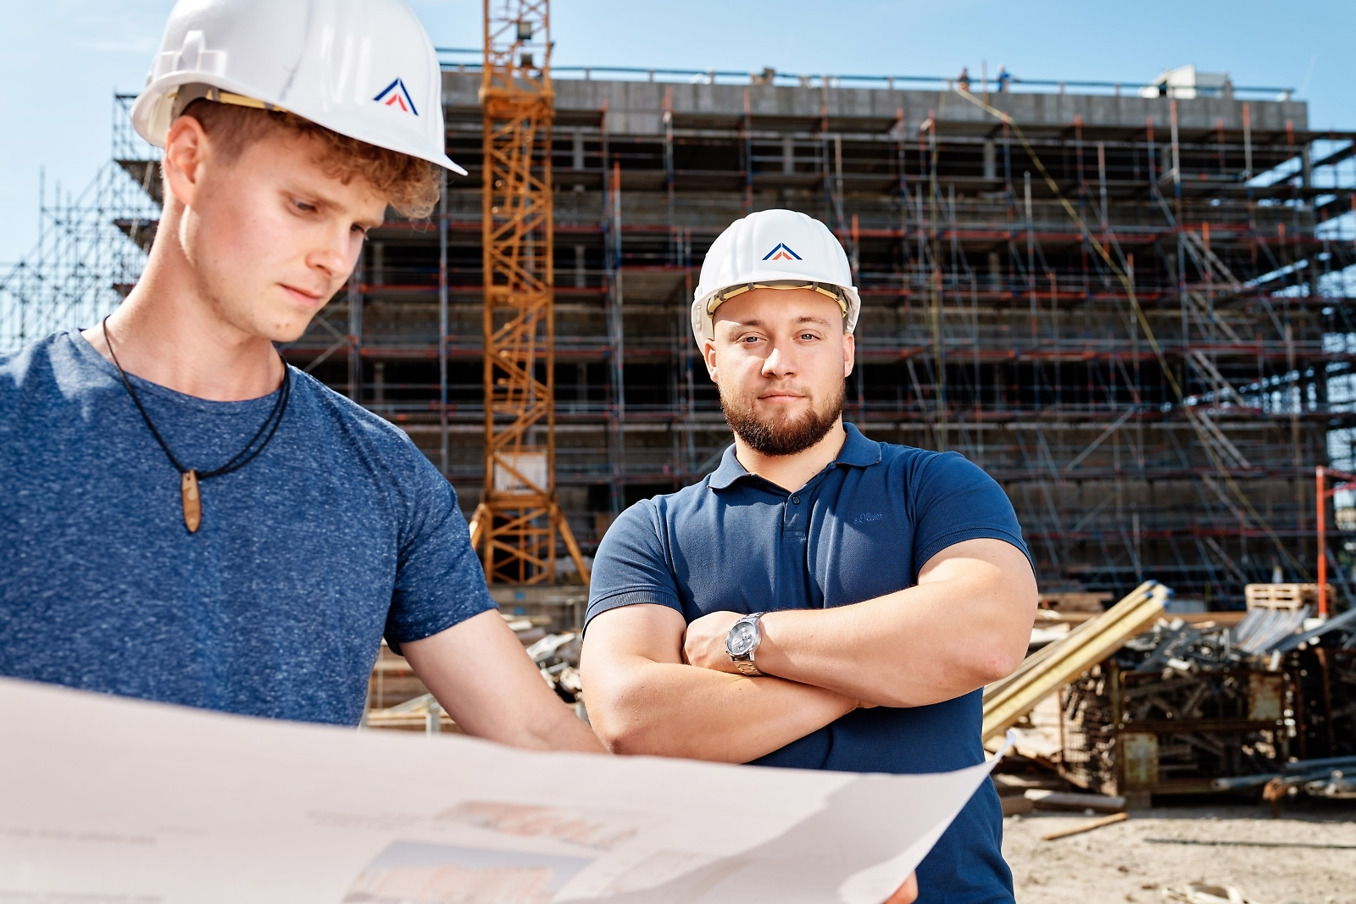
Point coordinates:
[[849, 353], [186, 149], [709, 356]]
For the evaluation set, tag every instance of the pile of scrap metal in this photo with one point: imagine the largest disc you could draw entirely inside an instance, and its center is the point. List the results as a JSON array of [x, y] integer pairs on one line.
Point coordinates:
[[1185, 708], [1192, 714], [557, 656], [1328, 777], [1152, 705], [1259, 640]]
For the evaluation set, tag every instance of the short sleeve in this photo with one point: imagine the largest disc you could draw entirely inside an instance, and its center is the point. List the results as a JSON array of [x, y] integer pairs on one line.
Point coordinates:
[[632, 565], [955, 500], [439, 582]]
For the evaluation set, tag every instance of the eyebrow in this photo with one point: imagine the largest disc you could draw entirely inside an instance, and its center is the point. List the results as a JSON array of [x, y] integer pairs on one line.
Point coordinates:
[[326, 202]]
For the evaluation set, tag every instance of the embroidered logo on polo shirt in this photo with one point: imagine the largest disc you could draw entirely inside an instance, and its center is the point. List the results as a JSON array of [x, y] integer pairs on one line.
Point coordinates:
[[867, 517]]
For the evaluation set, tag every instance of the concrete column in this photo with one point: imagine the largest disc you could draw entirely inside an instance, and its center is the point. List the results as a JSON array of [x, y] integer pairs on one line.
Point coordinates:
[[788, 155], [579, 276], [990, 159]]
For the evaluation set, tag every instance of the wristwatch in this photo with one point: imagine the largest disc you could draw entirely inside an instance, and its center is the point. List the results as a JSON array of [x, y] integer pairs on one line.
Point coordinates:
[[742, 642]]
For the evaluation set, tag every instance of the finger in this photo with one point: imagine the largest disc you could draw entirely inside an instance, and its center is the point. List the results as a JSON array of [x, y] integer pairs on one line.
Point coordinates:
[[906, 893]]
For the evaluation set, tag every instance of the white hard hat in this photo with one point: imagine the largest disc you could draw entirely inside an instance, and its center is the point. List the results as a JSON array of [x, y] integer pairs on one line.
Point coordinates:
[[780, 249], [362, 68]]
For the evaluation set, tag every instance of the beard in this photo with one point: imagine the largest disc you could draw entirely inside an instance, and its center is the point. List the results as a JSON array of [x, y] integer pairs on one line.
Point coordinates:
[[782, 434]]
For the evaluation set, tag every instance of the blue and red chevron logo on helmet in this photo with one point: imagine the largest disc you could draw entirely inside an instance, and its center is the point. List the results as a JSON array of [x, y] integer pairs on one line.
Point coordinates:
[[397, 95], [782, 252]]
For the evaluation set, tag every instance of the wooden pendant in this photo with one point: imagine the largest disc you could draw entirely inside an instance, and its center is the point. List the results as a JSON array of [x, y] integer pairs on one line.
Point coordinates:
[[188, 488]]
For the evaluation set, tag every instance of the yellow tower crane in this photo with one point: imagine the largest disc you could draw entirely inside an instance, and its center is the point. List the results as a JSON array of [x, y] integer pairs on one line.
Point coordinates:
[[515, 527]]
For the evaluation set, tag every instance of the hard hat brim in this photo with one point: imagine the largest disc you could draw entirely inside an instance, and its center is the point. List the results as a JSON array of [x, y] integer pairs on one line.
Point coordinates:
[[152, 114]]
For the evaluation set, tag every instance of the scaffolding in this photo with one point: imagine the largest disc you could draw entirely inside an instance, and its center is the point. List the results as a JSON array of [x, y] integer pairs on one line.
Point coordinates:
[[1134, 312], [1129, 310], [91, 245]]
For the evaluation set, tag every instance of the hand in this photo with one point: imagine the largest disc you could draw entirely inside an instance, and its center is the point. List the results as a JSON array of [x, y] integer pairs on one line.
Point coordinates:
[[906, 893], [704, 642]]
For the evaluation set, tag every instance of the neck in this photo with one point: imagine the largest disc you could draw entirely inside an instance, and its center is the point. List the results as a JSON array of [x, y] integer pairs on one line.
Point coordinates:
[[166, 332], [791, 472]]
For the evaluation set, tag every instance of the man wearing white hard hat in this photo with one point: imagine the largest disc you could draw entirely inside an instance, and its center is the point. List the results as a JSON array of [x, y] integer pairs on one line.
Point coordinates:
[[820, 600], [183, 516]]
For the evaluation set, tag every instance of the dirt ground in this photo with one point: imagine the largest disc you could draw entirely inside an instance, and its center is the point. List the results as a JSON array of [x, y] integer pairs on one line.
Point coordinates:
[[1308, 856]]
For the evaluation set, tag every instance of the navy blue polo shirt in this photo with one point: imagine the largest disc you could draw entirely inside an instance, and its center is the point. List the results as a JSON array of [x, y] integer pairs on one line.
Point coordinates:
[[859, 529]]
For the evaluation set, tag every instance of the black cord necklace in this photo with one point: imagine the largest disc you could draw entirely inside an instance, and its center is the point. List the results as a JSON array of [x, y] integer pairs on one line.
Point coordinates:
[[189, 478]]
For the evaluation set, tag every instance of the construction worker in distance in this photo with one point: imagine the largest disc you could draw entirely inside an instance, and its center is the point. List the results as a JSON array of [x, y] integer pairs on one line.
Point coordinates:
[[820, 600], [183, 516]]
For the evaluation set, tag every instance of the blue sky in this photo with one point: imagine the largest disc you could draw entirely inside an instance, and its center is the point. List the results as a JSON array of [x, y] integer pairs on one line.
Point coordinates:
[[61, 60]]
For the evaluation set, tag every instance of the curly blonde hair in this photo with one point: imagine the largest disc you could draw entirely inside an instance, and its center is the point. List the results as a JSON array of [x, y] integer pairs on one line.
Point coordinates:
[[409, 184]]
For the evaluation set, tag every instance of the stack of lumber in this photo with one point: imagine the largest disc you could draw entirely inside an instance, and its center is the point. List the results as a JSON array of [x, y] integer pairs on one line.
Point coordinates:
[[1051, 667]]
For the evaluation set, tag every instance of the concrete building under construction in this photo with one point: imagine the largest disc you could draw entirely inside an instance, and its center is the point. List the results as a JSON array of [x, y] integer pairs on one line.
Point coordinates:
[[1130, 310]]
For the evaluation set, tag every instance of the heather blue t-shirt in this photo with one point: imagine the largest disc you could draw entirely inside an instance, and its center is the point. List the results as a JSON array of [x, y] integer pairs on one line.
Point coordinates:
[[340, 531], [861, 528]]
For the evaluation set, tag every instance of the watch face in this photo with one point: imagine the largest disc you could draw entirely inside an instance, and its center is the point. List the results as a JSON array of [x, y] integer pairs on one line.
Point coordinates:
[[741, 639]]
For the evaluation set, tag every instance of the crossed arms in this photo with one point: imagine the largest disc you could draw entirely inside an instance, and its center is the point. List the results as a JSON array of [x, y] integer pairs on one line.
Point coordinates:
[[654, 685]]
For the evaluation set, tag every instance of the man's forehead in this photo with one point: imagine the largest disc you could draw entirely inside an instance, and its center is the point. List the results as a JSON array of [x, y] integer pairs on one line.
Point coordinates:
[[767, 306]]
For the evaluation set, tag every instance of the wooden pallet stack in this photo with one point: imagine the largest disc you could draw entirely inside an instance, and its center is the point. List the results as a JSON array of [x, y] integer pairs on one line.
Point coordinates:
[[1284, 596]]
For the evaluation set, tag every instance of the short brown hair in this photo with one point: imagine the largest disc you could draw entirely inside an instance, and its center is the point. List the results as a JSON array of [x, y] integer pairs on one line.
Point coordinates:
[[409, 183]]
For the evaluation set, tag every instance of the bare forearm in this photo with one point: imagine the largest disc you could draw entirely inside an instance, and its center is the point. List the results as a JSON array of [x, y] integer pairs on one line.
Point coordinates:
[[666, 709], [557, 728], [966, 624], [480, 674], [874, 652]]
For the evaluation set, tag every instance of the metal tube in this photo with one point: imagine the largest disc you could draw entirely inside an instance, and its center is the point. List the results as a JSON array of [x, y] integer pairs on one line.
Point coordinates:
[[1322, 505]]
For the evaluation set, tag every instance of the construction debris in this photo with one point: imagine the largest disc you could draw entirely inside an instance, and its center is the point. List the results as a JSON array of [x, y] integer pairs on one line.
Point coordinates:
[[556, 657], [1050, 668], [1042, 799], [1185, 705], [1086, 827], [1200, 893], [1187, 708], [1329, 772], [1317, 778]]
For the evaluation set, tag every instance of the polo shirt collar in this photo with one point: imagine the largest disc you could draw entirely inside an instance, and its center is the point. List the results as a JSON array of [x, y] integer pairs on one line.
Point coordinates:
[[857, 451]]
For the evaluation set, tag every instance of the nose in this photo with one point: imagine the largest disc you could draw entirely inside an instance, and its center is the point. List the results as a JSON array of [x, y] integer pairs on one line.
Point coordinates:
[[336, 252], [780, 361]]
